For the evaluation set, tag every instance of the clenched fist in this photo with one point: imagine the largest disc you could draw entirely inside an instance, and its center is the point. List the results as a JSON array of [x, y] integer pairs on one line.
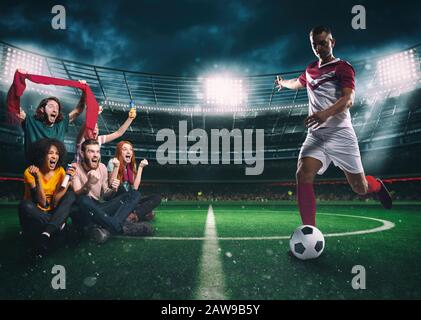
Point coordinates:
[[22, 115], [143, 163], [93, 177], [34, 170], [71, 171], [115, 184], [115, 162], [132, 113]]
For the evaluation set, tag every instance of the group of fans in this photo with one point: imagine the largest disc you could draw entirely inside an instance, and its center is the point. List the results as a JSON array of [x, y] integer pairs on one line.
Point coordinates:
[[101, 200]]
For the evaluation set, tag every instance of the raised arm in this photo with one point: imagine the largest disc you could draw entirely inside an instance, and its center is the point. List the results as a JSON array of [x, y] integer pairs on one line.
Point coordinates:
[[114, 173], [81, 133], [79, 107], [123, 128], [138, 179]]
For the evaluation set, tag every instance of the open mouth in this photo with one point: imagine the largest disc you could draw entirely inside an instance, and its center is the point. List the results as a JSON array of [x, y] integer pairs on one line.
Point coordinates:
[[128, 157], [94, 160], [53, 163]]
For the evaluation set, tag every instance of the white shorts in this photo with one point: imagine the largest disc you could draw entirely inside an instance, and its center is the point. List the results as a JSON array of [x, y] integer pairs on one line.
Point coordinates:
[[339, 145]]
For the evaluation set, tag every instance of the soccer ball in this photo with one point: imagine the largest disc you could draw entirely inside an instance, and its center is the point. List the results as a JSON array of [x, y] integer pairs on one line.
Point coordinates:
[[307, 242]]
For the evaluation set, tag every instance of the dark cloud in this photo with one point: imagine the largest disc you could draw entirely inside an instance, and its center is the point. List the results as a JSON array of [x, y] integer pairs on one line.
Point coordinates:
[[187, 37]]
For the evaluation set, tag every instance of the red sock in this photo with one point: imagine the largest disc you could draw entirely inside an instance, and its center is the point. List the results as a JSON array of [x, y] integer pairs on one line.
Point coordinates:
[[373, 184], [306, 203]]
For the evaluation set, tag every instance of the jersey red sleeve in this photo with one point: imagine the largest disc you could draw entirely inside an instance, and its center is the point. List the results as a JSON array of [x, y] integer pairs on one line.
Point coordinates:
[[302, 78], [346, 75]]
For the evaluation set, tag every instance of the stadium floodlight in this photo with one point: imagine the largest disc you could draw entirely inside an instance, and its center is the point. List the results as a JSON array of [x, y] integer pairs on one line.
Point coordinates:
[[15, 59], [224, 91], [398, 68]]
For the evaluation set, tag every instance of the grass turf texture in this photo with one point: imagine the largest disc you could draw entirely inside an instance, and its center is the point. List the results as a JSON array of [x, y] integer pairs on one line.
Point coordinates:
[[130, 268]]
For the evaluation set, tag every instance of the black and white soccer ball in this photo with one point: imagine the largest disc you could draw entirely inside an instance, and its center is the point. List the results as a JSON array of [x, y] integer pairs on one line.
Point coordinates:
[[307, 242]]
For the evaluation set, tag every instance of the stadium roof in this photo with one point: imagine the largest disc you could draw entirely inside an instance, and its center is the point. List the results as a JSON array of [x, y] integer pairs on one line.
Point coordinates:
[[386, 112], [157, 92]]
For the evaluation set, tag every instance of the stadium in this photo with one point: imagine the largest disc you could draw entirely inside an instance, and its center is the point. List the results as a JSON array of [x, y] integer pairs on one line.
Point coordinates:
[[222, 234]]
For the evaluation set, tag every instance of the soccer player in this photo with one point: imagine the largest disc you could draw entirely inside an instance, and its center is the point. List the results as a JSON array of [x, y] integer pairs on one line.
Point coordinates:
[[95, 200], [123, 168], [103, 138], [330, 86], [46, 204], [48, 120]]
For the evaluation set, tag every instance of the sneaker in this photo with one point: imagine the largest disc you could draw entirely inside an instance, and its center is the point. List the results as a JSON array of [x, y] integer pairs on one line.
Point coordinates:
[[99, 235], [137, 229], [384, 196]]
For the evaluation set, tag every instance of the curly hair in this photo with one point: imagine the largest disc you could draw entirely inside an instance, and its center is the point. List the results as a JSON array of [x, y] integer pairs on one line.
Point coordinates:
[[38, 151], [41, 115]]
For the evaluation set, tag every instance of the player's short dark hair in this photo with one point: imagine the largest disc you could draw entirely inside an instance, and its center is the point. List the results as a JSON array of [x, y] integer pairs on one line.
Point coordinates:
[[41, 116], [39, 149], [320, 29], [88, 143]]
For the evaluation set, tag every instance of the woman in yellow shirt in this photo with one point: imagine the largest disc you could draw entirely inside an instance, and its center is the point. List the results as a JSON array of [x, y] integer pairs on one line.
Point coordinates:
[[46, 204]]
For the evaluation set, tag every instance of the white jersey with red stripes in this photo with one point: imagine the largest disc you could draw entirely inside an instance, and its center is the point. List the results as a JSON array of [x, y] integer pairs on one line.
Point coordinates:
[[324, 87]]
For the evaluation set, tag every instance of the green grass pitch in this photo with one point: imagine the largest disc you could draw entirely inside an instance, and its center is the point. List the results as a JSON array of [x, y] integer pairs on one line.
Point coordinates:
[[253, 266]]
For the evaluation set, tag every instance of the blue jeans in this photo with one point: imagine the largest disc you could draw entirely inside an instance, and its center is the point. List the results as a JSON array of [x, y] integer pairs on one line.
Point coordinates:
[[110, 214], [145, 205], [34, 221]]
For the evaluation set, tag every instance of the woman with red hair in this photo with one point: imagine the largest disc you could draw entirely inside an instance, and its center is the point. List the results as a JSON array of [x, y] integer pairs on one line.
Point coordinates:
[[123, 167]]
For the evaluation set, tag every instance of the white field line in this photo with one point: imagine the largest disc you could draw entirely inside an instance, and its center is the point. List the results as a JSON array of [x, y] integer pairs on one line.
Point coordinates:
[[386, 225], [211, 276]]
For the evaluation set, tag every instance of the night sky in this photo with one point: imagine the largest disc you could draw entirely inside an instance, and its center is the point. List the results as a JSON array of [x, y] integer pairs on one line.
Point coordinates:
[[185, 37]]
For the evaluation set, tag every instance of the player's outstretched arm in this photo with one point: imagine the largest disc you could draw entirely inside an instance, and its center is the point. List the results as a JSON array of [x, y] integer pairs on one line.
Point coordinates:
[[292, 84]]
